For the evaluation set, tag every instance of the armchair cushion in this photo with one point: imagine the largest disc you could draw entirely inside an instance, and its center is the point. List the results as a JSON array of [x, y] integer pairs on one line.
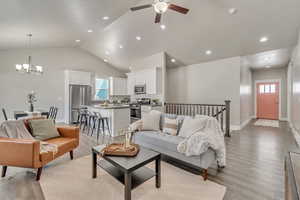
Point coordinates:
[[68, 131], [64, 144]]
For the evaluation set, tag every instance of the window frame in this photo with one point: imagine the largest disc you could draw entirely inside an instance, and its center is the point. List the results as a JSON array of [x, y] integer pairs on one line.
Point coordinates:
[[97, 89]]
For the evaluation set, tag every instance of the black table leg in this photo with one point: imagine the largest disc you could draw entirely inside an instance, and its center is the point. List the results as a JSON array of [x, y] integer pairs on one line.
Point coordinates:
[[94, 164], [127, 177], [158, 172]]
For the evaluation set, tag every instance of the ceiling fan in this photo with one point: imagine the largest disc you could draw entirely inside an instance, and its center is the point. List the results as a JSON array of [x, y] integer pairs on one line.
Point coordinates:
[[160, 7]]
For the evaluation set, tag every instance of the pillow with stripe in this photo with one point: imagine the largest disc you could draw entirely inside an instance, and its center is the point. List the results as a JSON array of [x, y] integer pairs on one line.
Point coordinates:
[[170, 126]]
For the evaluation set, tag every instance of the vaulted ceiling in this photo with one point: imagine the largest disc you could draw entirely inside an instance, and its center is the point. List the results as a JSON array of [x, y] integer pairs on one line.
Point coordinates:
[[208, 26]]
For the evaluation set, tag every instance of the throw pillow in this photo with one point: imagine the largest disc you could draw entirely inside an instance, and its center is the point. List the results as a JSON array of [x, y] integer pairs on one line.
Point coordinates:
[[151, 121], [191, 126], [170, 126], [43, 129], [162, 119], [26, 122], [180, 119]]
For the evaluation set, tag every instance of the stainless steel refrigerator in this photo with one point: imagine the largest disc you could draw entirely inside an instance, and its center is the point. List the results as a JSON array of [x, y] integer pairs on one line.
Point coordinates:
[[80, 95]]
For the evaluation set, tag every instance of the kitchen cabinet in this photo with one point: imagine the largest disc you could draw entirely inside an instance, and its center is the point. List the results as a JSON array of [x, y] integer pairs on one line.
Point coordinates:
[[130, 83], [78, 77], [152, 78], [117, 86]]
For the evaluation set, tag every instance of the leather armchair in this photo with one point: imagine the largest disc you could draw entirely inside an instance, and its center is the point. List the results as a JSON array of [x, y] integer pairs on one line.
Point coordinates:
[[26, 153]]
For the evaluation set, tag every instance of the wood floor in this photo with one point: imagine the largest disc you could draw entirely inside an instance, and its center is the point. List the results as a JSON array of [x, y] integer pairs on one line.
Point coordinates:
[[254, 171]]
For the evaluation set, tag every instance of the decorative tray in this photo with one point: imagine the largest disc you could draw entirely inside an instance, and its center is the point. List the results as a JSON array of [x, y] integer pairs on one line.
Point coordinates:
[[118, 149]]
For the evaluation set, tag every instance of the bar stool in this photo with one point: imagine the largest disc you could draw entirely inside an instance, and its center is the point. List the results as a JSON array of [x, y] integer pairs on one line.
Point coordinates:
[[82, 117], [101, 124], [88, 121]]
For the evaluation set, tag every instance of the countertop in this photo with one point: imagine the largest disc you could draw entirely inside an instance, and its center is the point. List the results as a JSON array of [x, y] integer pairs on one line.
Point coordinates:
[[153, 105], [110, 106]]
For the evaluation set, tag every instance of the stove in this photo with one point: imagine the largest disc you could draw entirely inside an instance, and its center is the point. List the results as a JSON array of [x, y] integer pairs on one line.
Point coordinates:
[[135, 108]]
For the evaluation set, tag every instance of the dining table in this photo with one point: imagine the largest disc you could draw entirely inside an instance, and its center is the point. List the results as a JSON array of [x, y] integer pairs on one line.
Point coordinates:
[[36, 113]]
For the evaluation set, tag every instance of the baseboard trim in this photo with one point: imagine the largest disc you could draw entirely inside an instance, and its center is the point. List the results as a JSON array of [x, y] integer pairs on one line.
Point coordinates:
[[235, 128], [245, 123], [295, 133], [283, 119], [242, 125]]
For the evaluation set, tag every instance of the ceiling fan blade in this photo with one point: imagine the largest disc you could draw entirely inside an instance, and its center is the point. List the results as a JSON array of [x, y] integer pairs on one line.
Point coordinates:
[[141, 7], [178, 9], [157, 17]]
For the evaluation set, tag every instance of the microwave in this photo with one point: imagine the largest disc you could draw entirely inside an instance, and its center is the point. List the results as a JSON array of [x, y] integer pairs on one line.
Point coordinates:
[[140, 89]]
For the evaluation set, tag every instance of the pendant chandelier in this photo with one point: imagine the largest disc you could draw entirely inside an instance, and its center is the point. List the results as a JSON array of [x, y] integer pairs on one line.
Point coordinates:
[[28, 67]]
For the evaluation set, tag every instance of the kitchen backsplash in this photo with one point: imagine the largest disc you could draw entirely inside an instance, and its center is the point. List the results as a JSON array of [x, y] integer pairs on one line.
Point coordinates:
[[123, 98], [151, 96]]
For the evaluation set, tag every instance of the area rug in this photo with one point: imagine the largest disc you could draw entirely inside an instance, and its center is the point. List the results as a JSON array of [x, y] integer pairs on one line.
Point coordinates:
[[266, 122], [72, 180]]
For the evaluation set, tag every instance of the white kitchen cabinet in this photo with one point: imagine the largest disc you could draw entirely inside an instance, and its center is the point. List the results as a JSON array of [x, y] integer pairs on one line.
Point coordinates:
[[118, 86], [152, 78], [130, 83], [78, 77]]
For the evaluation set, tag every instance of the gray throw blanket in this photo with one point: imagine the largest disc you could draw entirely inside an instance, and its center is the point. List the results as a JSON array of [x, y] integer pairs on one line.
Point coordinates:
[[17, 129]]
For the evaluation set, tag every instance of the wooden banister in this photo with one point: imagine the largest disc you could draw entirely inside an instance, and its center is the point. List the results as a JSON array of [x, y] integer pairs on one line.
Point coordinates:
[[214, 110]]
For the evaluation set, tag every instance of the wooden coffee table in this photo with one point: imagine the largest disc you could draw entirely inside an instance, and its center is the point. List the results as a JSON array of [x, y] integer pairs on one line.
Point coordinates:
[[130, 171]]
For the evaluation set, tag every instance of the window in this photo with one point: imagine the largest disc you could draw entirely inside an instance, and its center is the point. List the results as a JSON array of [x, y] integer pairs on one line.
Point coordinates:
[[267, 88], [273, 88], [102, 89], [261, 89]]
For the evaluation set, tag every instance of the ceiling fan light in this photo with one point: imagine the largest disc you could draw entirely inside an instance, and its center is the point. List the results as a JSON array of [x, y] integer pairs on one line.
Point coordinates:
[[26, 66], [160, 7], [18, 67], [39, 68]]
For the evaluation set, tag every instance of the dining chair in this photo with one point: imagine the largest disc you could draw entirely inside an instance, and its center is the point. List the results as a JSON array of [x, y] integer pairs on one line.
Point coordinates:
[[52, 113], [4, 114]]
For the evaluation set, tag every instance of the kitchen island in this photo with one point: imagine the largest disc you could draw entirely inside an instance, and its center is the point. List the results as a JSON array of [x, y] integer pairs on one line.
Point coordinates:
[[118, 115]]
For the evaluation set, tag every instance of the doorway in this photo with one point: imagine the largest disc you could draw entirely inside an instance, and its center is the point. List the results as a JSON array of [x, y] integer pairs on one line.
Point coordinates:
[[268, 100]]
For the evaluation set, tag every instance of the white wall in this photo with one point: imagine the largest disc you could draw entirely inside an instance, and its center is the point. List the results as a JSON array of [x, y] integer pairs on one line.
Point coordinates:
[[271, 74], [211, 82], [295, 96], [49, 87], [246, 99]]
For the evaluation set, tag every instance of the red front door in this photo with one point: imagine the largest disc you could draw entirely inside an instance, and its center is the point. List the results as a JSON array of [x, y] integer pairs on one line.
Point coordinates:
[[267, 100]]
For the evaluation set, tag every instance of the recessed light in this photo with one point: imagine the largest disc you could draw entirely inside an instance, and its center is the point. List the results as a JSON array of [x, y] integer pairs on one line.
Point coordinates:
[[232, 11], [138, 38], [173, 60], [105, 60], [105, 18], [121, 46], [77, 40], [208, 52], [107, 52], [163, 27], [263, 39], [90, 31]]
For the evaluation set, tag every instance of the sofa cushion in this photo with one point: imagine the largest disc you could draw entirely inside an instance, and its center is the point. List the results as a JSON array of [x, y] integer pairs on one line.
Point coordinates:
[[43, 129], [159, 139]]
